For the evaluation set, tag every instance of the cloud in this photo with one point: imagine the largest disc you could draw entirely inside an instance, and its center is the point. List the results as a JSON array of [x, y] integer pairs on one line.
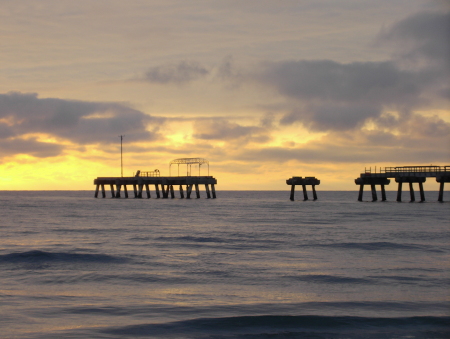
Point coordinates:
[[181, 73], [425, 35], [79, 121], [421, 140], [223, 130], [327, 95], [30, 147]]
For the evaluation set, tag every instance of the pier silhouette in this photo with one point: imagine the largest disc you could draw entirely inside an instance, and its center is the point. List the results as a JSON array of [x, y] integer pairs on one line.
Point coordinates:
[[403, 174], [307, 181], [147, 179]]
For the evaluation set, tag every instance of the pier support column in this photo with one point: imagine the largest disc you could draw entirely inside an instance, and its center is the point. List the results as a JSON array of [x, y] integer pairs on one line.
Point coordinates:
[[165, 191], [113, 194], [441, 192], [135, 191], [361, 191], [292, 192], [372, 181], [147, 190], [411, 192], [422, 193], [172, 193], [208, 194], [103, 191], [399, 192], [197, 191], [383, 193], [213, 190], [181, 192], [157, 191], [305, 193], [141, 188], [314, 192], [96, 191], [189, 191], [374, 192], [118, 187], [125, 191]]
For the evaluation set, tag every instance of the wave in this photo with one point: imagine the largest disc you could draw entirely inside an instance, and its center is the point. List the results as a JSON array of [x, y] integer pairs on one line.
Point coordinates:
[[37, 256], [284, 326], [379, 246]]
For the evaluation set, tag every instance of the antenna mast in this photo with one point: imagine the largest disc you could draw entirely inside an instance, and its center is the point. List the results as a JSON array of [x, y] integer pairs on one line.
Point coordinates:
[[121, 157]]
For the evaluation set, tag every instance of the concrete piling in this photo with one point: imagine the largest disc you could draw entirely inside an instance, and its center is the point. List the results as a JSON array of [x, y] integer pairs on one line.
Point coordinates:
[[197, 191], [181, 192], [374, 192], [305, 194], [411, 192], [383, 193], [362, 181], [422, 193], [399, 192], [314, 192]]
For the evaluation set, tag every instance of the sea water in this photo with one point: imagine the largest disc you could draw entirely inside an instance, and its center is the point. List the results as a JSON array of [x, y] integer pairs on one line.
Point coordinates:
[[244, 265]]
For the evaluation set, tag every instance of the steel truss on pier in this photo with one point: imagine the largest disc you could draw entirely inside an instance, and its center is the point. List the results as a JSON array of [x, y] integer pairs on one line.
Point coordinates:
[[188, 162]]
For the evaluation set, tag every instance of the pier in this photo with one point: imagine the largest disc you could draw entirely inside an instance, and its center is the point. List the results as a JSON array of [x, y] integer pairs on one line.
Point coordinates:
[[119, 184], [403, 174], [144, 180], [307, 181]]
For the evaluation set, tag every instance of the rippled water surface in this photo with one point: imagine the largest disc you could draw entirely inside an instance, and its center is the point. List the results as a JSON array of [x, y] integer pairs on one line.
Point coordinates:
[[244, 265]]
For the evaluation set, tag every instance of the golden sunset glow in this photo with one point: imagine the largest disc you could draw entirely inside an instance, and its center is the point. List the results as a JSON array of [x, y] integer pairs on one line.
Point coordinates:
[[264, 95]]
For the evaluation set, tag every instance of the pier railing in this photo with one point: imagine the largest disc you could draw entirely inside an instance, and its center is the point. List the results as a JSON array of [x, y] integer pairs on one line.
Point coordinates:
[[409, 169], [148, 174], [417, 169]]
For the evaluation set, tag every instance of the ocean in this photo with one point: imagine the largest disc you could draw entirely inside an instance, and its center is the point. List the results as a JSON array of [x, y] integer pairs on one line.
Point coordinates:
[[249, 264]]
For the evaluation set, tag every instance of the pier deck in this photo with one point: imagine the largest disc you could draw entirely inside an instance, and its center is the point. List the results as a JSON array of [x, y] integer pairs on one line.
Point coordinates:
[[307, 181], [404, 174], [166, 183]]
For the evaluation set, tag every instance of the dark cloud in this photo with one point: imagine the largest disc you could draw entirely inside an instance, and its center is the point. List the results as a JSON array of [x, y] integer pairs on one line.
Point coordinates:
[[184, 72], [78, 121], [425, 35], [332, 116], [333, 81], [332, 96], [326, 95], [30, 147]]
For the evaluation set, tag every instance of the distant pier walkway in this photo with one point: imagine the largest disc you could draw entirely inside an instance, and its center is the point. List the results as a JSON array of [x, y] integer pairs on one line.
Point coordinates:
[[403, 174], [141, 186]]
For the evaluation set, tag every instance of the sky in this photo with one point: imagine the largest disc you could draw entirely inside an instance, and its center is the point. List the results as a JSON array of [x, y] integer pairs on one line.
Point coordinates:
[[264, 90]]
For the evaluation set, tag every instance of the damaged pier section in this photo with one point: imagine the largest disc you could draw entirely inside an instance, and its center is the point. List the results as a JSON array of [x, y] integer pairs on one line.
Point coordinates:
[[404, 174], [307, 181], [191, 183]]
